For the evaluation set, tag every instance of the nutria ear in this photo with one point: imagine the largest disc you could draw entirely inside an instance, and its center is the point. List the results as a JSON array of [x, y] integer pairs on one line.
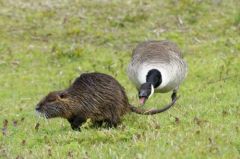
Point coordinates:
[[63, 95]]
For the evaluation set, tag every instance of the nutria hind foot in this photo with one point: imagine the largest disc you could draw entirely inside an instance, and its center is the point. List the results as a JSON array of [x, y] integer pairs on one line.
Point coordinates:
[[76, 122], [111, 123], [107, 123], [97, 124]]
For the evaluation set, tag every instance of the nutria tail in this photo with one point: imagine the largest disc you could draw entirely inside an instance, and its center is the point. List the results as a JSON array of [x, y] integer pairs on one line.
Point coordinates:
[[152, 111]]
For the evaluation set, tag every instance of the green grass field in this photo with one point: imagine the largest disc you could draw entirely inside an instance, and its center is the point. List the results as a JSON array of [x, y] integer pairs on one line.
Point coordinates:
[[44, 45]]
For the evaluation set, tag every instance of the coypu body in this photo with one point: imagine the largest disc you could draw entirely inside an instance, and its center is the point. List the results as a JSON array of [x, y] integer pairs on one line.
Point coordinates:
[[94, 96]]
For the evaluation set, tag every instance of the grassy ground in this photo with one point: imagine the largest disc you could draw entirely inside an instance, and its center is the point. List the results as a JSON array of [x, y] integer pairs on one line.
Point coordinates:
[[45, 44]]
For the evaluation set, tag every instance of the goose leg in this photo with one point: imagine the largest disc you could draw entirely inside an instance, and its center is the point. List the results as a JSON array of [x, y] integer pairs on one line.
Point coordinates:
[[174, 94]]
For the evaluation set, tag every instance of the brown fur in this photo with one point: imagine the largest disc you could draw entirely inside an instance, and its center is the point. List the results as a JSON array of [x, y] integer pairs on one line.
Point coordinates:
[[92, 95]]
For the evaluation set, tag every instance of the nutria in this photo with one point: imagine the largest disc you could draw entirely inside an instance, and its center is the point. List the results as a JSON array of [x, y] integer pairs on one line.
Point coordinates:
[[94, 96]]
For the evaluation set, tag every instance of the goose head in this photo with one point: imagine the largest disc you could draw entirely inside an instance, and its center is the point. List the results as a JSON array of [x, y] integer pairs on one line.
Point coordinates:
[[145, 92], [153, 80]]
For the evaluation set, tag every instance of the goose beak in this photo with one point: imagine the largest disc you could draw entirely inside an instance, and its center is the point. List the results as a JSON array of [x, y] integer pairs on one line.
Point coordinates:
[[142, 100], [143, 96], [146, 91]]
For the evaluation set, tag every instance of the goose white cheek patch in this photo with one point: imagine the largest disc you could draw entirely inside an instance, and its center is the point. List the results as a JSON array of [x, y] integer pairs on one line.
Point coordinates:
[[152, 91]]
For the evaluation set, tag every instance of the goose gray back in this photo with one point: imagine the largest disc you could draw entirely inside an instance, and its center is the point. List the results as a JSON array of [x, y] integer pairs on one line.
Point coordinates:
[[156, 66]]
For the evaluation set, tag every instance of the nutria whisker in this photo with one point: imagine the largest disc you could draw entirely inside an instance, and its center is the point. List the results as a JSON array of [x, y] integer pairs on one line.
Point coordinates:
[[53, 110], [45, 115], [37, 114]]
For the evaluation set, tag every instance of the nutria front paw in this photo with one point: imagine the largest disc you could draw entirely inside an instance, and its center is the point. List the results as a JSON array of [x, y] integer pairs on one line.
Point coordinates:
[[76, 122]]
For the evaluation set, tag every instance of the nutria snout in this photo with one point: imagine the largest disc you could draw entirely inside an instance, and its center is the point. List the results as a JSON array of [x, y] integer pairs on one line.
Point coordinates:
[[54, 105], [94, 96]]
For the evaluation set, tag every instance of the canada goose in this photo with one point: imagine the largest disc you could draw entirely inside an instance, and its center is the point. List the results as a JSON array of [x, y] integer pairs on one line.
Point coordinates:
[[156, 66]]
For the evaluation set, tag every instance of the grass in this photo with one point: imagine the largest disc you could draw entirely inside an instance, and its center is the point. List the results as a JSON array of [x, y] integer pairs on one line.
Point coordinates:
[[45, 44]]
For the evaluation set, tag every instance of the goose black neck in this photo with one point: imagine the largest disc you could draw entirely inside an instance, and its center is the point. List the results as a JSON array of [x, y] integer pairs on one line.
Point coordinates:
[[154, 77]]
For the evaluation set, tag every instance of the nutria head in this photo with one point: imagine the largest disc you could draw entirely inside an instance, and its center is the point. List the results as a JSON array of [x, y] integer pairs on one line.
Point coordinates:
[[55, 104]]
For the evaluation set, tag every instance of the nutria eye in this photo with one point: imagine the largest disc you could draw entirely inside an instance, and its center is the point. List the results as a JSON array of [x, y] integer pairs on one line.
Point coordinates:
[[63, 95]]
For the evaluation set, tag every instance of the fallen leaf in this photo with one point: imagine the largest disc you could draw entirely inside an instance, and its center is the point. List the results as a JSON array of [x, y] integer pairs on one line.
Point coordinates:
[[5, 123], [23, 142], [15, 123], [37, 126], [177, 120], [22, 119]]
